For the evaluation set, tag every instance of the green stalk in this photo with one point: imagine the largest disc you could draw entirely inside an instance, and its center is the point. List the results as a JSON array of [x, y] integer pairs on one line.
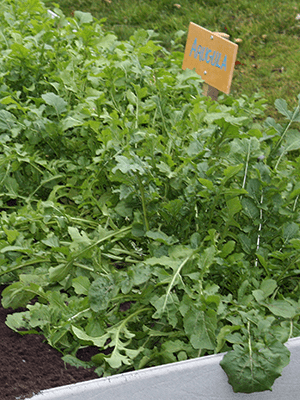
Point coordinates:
[[142, 191], [250, 346], [25, 264], [91, 246], [246, 166], [175, 276]]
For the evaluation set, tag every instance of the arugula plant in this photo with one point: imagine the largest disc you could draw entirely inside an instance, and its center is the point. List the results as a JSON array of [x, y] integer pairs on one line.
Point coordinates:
[[138, 216]]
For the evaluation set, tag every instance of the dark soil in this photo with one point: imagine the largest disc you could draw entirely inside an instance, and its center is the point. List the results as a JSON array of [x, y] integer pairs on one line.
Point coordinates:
[[28, 364]]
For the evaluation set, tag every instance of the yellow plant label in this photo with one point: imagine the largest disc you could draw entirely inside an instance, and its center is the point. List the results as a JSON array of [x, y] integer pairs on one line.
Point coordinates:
[[212, 57]]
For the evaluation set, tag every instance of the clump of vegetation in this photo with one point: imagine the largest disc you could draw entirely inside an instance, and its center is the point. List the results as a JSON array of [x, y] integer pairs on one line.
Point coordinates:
[[268, 54], [137, 215]]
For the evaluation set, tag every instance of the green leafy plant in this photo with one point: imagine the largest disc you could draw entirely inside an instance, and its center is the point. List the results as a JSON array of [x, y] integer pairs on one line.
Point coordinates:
[[137, 215], [268, 42]]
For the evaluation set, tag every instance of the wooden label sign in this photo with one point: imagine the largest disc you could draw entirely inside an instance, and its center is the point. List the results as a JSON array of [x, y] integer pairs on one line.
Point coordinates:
[[212, 57]]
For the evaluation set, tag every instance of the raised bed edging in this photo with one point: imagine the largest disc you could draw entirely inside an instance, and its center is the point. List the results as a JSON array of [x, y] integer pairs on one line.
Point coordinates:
[[197, 379]]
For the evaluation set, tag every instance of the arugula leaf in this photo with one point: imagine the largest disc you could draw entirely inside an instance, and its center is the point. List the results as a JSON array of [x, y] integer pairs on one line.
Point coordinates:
[[200, 326], [254, 367], [58, 103], [101, 292]]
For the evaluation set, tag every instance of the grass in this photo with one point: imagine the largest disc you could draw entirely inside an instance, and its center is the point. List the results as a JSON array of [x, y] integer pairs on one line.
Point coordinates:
[[269, 50]]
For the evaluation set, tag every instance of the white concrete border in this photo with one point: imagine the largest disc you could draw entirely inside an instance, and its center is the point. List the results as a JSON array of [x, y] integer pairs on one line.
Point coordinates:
[[197, 379]]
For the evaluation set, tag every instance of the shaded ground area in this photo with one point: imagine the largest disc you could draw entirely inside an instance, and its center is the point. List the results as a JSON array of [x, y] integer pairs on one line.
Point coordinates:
[[28, 365]]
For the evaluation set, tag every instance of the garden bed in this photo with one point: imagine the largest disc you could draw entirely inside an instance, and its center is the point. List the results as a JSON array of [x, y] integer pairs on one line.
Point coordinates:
[[28, 366], [138, 216], [200, 378]]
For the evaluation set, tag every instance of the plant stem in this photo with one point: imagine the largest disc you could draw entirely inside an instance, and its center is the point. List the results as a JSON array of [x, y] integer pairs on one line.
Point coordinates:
[[142, 191], [175, 276], [25, 264], [250, 346]]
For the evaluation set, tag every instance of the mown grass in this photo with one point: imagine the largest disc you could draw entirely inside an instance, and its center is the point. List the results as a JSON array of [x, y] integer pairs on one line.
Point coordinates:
[[269, 51]]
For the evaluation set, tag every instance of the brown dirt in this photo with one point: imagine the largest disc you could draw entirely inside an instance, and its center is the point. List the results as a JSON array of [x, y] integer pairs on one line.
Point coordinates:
[[28, 364]]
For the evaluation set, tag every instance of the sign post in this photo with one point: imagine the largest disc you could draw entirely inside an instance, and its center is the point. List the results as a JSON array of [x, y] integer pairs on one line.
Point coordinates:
[[213, 58]]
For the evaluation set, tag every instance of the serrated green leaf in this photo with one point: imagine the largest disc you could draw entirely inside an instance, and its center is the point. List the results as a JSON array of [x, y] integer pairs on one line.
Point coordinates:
[[51, 241], [254, 190], [292, 141], [207, 258], [161, 237], [12, 186], [243, 290], [281, 106], [7, 121], [84, 17], [224, 332], [126, 165], [290, 231], [174, 350], [234, 206], [101, 292], [116, 359], [40, 315], [231, 171], [124, 209], [81, 285], [168, 305], [98, 341], [75, 362], [57, 102], [140, 273], [200, 326], [268, 286], [11, 234], [71, 122], [131, 97], [58, 273], [79, 237], [250, 209], [19, 321], [19, 294], [254, 369], [227, 249], [259, 295], [96, 326], [295, 243], [281, 308], [245, 242], [205, 182]]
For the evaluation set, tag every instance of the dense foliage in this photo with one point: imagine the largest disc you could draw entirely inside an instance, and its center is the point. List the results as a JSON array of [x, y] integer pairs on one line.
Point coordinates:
[[137, 215]]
